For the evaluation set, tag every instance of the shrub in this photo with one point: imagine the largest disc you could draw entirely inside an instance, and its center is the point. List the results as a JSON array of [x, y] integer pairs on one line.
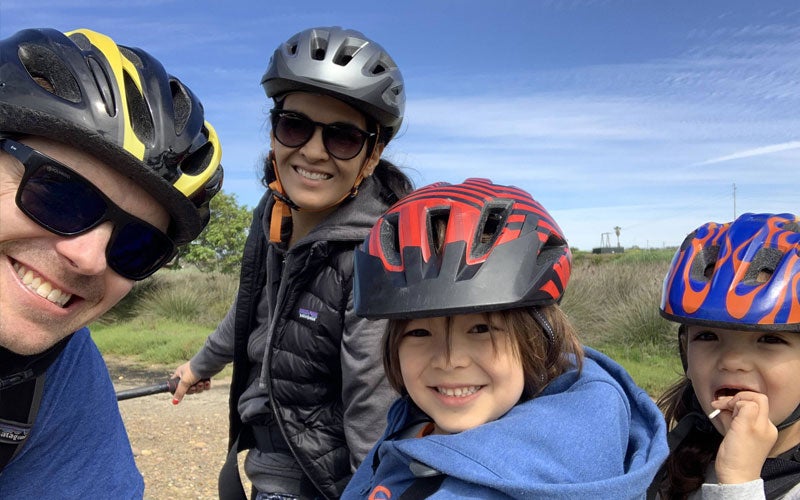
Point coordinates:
[[614, 301], [185, 295]]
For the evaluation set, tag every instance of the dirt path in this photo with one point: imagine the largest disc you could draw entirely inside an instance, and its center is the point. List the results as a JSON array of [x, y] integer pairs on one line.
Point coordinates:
[[179, 449]]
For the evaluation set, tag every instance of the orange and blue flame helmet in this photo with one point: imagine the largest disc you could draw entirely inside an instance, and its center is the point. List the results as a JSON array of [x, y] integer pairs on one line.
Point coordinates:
[[452, 249], [741, 275]]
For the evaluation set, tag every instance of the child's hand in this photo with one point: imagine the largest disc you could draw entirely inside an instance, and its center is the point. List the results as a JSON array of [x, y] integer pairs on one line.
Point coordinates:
[[749, 438]]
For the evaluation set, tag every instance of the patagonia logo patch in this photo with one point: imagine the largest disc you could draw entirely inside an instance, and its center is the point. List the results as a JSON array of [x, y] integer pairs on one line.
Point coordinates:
[[308, 314], [13, 432]]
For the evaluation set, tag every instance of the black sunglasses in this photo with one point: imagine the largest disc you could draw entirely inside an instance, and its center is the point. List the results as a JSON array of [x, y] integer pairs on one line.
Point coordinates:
[[342, 140], [65, 203]]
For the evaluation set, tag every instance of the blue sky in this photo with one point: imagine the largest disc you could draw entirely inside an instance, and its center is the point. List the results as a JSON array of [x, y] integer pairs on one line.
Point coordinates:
[[654, 116]]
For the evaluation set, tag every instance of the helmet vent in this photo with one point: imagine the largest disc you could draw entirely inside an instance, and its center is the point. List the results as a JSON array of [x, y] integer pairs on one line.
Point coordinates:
[[793, 227], [390, 239], [763, 266], [319, 47], [551, 251], [437, 229], [347, 51], [81, 41], [132, 57], [198, 160], [384, 64], [49, 72], [492, 223], [704, 263], [140, 118], [181, 105], [103, 86]]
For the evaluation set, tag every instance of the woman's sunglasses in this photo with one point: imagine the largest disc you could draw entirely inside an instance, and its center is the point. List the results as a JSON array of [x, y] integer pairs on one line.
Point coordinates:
[[342, 141], [65, 203]]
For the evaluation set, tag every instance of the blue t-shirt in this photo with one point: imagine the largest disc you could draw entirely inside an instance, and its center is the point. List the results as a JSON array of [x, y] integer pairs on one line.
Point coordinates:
[[78, 447]]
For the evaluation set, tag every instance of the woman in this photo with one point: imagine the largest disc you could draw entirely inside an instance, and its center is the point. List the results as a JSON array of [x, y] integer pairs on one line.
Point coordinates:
[[308, 396]]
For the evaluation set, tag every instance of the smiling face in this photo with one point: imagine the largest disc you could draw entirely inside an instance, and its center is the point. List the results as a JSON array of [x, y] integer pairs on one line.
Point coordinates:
[[52, 285], [312, 178], [462, 378], [724, 362]]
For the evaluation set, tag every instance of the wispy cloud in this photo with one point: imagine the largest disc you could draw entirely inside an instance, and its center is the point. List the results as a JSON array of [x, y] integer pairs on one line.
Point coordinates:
[[765, 150]]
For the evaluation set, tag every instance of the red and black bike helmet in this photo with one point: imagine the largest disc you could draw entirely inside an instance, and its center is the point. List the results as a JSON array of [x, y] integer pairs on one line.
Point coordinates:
[[500, 250], [742, 275]]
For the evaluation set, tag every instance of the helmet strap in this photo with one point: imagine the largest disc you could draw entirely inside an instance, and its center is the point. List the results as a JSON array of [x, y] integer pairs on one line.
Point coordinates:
[[284, 205], [547, 328], [361, 177], [354, 190], [794, 417]]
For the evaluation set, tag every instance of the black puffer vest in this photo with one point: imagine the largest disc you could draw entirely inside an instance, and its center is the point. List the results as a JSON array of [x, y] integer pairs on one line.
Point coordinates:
[[303, 369]]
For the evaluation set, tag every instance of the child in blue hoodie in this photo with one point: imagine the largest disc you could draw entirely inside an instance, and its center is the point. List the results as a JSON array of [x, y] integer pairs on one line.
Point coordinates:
[[735, 414], [499, 398]]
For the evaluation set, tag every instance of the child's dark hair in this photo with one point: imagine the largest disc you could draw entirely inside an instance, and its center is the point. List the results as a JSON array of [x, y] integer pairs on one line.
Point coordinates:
[[541, 361], [685, 468]]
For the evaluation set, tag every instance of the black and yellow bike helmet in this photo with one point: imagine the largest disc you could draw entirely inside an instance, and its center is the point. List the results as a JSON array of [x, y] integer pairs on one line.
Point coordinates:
[[118, 104]]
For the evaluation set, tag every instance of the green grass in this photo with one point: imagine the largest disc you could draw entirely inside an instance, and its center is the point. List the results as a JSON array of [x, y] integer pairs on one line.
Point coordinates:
[[612, 299], [166, 318], [652, 372], [163, 342]]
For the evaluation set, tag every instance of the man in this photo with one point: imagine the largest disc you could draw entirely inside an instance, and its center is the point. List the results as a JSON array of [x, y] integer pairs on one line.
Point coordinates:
[[106, 166]]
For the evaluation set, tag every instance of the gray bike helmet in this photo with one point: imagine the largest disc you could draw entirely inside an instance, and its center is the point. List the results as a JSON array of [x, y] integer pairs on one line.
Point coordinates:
[[344, 64]]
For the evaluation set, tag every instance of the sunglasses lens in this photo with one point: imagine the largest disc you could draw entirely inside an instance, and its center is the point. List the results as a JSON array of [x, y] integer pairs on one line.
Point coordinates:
[[61, 201], [138, 250], [343, 142], [66, 204], [293, 131]]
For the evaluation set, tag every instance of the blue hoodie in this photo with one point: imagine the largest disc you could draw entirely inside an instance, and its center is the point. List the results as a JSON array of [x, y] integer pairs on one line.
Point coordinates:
[[593, 435]]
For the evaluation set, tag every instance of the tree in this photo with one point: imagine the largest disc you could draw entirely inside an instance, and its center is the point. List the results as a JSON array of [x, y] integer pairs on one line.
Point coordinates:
[[219, 247]]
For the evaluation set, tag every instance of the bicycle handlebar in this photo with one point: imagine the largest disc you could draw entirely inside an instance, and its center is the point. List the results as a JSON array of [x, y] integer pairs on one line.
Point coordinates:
[[168, 386]]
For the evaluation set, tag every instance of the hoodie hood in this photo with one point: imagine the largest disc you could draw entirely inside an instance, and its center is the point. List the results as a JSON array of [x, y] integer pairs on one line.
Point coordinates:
[[589, 435]]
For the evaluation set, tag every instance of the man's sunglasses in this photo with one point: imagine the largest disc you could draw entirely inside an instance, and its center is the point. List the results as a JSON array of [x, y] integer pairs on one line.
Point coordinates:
[[65, 203], [342, 140]]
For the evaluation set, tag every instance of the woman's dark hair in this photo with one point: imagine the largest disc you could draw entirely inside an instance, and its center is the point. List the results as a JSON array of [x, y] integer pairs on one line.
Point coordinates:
[[393, 179]]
